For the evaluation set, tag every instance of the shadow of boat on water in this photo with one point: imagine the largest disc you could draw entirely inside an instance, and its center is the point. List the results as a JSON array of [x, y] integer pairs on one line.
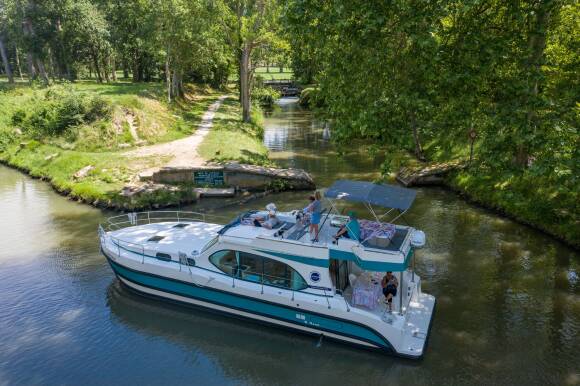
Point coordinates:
[[245, 349]]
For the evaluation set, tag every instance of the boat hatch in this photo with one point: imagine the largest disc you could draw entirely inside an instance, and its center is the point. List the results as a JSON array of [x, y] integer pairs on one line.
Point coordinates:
[[163, 256], [156, 239], [181, 225]]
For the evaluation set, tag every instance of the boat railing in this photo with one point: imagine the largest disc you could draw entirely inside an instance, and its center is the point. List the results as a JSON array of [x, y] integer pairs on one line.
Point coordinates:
[[120, 244], [140, 218]]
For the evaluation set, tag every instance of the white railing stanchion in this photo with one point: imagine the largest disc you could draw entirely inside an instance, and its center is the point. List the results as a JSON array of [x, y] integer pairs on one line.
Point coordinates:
[[326, 297], [262, 281]]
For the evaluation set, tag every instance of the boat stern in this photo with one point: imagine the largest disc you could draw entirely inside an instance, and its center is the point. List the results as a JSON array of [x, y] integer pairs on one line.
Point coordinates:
[[418, 321]]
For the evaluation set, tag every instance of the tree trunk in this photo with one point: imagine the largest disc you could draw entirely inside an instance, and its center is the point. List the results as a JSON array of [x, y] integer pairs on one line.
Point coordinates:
[[97, 68], [136, 70], [168, 79], [177, 83], [245, 83], [106, 70], [418, 148], [42, 71], [31, 69], [125, 70], [16, 55], [536, 48], [113, 68], [5, 61]]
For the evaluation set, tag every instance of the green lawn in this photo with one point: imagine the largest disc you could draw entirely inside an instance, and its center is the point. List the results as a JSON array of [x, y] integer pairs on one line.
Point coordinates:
[[274, 74], [230, 139]]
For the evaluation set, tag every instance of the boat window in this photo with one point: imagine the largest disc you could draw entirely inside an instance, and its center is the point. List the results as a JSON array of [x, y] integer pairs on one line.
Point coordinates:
[[258, 269], [251, 266], [225, 261]]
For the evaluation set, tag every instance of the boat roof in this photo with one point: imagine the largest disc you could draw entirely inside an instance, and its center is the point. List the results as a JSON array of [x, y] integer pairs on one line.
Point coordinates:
[[170, 236], [389, 196]]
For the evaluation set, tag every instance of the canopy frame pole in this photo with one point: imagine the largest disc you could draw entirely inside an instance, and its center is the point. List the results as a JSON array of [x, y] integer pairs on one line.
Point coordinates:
[[386, 213], [370, 208], [345, 225], [401, 294], [400, 214]]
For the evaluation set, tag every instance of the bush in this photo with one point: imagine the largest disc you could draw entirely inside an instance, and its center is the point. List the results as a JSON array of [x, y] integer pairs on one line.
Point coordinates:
[[61, 110], [310, 97], [265, 96]]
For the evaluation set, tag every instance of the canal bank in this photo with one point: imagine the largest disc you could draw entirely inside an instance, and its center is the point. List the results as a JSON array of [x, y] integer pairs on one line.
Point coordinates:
[[182, 149], [499, 285]]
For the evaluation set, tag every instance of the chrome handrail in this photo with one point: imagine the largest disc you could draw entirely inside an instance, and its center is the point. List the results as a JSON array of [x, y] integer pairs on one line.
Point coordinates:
[[139, 218]]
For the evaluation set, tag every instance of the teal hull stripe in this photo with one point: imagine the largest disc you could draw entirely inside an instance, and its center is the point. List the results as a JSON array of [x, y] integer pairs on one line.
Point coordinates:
[[300, 259], [237, 302]]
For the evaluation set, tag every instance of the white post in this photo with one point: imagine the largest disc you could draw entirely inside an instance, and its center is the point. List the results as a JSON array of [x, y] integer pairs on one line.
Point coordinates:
[[401, 294]]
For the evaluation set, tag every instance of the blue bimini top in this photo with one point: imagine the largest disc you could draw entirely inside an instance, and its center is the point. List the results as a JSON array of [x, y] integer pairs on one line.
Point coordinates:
[[388, 196]]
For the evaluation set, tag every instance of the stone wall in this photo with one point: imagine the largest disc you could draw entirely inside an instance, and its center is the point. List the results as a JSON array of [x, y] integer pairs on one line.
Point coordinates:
[[240, 176]]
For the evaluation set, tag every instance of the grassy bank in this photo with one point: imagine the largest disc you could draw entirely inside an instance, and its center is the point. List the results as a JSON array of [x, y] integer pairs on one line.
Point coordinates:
[[525, 198], [232, 140], [546, 201], [54, 132]]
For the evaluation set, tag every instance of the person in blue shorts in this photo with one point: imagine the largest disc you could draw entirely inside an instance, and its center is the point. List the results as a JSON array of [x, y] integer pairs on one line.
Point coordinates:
[[315, 209], [350, 231]]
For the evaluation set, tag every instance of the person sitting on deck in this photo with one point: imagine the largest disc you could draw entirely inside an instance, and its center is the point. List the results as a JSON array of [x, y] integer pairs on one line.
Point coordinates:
[[390, 284], [351, 230], [268, 223]]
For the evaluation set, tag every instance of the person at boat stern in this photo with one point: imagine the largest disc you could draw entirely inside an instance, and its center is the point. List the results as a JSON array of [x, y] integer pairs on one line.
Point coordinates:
[[390, 284], [351, 230], [315, 209]]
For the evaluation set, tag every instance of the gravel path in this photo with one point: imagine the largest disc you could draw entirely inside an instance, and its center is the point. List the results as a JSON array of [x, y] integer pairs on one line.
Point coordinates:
[[184, 151]]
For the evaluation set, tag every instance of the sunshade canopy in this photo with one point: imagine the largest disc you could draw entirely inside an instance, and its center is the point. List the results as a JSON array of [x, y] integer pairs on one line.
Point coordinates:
[[388, 196]]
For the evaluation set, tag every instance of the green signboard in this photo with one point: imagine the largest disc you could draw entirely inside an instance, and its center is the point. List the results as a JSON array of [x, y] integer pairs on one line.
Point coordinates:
[[208, 177]]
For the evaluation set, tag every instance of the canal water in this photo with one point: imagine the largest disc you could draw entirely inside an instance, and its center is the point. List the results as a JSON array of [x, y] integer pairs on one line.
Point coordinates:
[[508, 309]]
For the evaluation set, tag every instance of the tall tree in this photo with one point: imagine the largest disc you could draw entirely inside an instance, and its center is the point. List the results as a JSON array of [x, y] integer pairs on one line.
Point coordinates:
[[251, 24]]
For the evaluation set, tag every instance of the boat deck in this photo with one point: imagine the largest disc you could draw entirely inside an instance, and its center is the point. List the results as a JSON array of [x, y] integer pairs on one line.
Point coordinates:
[[168, 237]]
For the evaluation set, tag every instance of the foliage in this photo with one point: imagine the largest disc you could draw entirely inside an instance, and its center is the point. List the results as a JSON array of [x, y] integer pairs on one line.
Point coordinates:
[[421, 76], [60, 110], [310, 97], [265, 96]]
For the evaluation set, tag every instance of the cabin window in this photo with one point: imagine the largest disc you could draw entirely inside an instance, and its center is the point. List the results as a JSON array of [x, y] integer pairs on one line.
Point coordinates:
[[258, 269], [225, 261], [251, 267]]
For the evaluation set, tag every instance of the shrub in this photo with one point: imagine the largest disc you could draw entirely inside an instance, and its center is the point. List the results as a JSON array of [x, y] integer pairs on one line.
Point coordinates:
[[265, 96], [61, 110], [310, 97]]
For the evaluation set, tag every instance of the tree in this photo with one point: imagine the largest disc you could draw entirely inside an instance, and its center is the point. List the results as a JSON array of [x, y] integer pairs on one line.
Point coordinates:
[[251, 24]]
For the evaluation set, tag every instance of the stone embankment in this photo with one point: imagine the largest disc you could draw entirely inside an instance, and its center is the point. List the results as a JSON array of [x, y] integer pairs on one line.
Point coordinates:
[[431, 174]]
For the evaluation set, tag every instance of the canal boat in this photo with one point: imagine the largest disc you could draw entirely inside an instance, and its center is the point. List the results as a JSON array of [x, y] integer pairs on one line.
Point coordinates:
[[285, 276]]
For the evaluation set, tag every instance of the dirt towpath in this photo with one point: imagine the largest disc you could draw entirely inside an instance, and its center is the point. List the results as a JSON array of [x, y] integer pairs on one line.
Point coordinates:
[[183, 151]]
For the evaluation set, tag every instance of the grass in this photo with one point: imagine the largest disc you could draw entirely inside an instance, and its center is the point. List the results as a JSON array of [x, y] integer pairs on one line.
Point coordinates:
[[274, 74], [58, 157], [230, 139]]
